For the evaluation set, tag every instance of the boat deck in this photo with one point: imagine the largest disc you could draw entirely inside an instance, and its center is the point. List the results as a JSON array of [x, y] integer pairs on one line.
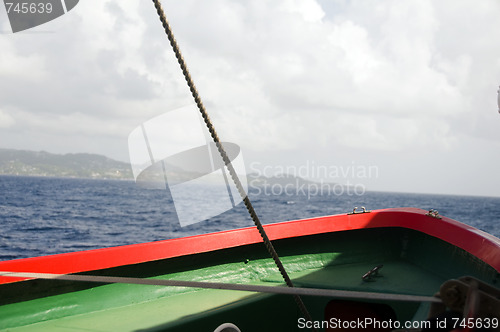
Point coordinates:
[[108, 308]]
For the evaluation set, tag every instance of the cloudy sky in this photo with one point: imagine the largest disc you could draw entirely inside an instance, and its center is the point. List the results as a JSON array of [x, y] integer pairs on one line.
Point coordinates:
[[404, 87]]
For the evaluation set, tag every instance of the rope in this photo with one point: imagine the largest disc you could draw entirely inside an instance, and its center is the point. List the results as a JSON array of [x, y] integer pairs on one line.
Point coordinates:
[[224, 156], [227, 286]]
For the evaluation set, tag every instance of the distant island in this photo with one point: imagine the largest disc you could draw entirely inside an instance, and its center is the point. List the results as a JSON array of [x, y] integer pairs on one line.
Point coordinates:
[[94, 166], [75, 165]]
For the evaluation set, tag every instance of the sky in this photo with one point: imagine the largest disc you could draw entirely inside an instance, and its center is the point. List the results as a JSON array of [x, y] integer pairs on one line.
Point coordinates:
[[391, 95]]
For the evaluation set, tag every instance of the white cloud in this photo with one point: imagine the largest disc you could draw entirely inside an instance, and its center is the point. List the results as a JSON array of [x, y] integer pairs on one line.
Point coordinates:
[[368, 81], [6, 120], [297, 76], [308, 10], [18, 67]]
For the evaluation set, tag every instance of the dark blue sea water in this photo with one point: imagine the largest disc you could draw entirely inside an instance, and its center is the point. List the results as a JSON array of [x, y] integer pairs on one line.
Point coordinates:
[[40, 216]]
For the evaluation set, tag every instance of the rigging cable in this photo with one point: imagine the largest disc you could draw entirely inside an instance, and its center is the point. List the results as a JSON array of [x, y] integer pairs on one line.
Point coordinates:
[[225, 157], [227, 286]]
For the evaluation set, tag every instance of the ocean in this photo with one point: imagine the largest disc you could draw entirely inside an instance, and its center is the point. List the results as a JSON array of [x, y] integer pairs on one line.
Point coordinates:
[[42, 216]]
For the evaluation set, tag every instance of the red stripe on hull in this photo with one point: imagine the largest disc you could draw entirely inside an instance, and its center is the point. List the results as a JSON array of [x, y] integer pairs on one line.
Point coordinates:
[[480, 244]]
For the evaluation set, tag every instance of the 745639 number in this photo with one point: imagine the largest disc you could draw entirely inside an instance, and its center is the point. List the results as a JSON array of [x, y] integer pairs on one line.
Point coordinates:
[[29, 7], [474, 323]]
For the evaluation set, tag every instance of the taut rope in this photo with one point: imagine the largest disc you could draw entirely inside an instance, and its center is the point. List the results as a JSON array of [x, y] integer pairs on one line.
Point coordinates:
[[226, 286], [224, 156]]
